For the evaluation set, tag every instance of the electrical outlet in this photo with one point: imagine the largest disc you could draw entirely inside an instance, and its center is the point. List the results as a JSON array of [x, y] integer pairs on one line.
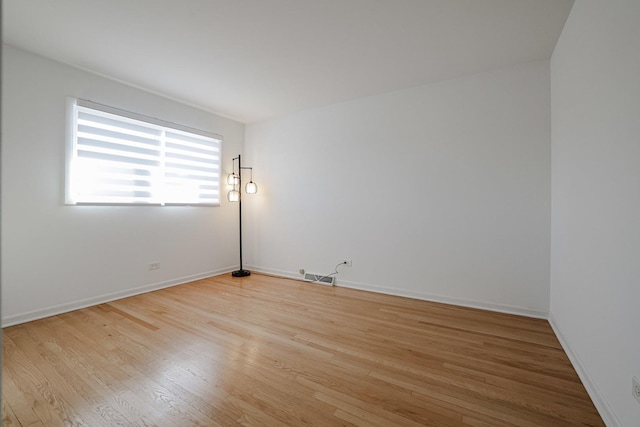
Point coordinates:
[[635, 390], [154, 265], [347, 262]]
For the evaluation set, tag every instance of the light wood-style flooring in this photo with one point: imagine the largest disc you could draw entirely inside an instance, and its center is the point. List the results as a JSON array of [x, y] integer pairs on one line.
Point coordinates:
[[268, 351]]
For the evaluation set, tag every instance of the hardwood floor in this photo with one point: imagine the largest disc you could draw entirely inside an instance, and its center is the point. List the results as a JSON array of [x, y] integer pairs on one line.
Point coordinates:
[[270, 351]]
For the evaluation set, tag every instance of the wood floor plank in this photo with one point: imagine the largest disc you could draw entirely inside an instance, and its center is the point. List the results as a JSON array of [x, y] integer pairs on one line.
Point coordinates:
[[108, 395], [9, 418], [20, 398], [69, 393], [269, 351], [22, 381]]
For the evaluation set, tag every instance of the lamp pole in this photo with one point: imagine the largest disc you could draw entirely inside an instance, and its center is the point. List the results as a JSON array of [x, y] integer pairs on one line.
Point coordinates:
[[241, 272]]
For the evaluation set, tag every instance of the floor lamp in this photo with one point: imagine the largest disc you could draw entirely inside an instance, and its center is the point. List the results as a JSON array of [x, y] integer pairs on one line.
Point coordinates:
[[235, 195]]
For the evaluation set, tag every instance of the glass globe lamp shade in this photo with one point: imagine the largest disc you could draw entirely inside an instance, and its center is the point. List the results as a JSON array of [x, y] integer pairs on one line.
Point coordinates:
[[233, 195], [251, 188], [233, 179]]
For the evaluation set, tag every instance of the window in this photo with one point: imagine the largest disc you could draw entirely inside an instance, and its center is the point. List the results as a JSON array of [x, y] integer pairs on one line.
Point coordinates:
[[118, 157]]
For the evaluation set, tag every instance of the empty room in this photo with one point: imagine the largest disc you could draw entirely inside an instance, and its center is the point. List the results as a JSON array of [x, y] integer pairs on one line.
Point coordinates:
[[336, 212]]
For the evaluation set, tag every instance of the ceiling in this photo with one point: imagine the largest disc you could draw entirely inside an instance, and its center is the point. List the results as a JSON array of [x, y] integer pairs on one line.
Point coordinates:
[[252, 60]]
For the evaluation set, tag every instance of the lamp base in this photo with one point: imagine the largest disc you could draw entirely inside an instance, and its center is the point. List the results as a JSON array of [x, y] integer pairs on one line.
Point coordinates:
[[240, 273]]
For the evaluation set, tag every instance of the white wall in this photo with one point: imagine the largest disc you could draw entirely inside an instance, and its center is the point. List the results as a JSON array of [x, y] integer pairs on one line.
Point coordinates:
[[57, 257], [439, 192], [595, 265]]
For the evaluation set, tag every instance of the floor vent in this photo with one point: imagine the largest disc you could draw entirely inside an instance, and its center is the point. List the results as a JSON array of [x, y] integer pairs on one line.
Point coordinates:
[[317, 278]]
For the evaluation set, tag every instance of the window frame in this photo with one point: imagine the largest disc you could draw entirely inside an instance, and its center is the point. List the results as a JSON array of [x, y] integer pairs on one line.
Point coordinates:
[[71, 154]]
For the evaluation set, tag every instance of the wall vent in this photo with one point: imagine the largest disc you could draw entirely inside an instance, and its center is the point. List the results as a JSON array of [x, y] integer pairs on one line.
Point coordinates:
[[317, 278]]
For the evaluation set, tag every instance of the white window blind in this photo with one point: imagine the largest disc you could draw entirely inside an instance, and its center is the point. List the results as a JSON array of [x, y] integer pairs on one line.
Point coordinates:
[[118, 157]]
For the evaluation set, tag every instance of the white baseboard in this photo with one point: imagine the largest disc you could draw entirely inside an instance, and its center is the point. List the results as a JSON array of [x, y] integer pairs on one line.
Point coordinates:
[[101, 299], [274, 272], [75, 305], [600, 403], [483, 305]]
